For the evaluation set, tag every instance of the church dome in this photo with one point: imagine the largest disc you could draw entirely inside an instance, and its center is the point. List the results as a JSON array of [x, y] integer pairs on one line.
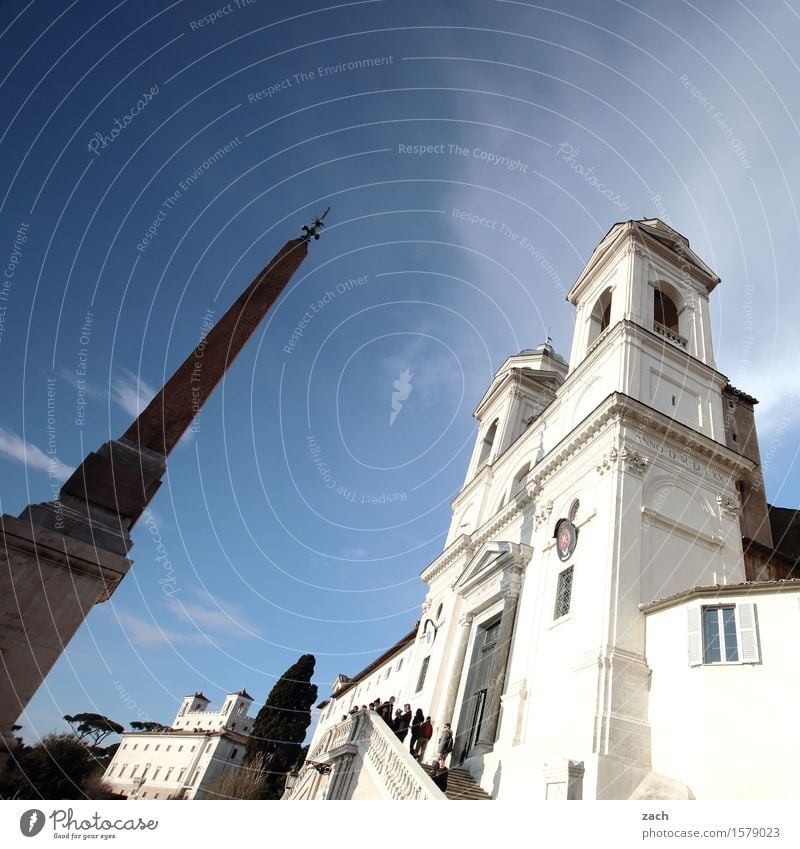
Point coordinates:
[[545, 349]]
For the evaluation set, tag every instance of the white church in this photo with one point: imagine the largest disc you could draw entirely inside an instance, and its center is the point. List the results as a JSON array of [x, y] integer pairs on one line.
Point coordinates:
[[616, 612]]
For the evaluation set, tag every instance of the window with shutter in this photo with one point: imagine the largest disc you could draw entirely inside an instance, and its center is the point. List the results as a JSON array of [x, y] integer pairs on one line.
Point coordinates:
[[695, 640], [723, 633]]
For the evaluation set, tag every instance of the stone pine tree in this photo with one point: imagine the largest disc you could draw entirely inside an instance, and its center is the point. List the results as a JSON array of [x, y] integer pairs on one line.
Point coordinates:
[[280, 727]]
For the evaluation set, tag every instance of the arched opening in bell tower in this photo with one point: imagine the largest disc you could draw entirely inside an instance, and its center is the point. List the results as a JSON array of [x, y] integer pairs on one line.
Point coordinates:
[[488, 442], [665, 312], [600, 318]]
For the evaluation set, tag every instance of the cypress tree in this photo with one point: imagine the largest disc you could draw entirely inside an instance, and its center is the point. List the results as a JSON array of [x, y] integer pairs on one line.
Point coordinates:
[[280, 727]]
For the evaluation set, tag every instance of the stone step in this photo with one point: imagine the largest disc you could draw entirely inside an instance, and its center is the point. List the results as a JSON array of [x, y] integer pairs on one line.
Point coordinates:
[[461, 786]]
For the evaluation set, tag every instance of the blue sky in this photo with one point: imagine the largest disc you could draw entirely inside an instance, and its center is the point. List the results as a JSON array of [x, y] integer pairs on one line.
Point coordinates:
[[298, 516]]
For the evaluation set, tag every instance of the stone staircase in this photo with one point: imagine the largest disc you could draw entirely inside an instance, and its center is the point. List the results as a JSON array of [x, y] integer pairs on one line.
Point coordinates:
[[461, 786]]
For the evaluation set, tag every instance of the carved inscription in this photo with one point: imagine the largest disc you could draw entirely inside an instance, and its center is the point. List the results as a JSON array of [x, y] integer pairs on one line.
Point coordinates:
[[679, 458]]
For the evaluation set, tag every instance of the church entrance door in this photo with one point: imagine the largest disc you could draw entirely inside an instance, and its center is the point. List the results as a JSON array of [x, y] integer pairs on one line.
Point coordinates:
[[478, 689]]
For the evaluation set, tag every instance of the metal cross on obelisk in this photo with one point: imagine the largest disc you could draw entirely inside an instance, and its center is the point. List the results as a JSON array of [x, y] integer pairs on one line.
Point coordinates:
[[60, 558]]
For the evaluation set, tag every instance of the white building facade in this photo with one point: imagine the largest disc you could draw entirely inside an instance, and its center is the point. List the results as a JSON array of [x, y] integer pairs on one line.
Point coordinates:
[[186, 760], [610, 613]]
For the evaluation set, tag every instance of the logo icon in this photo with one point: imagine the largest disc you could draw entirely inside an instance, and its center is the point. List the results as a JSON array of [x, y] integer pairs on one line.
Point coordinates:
[[566, 539], [31, 822], [402, 389]]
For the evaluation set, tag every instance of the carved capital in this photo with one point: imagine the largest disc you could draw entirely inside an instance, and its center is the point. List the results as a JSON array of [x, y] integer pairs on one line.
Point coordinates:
[[633, 461], [511, 583], [608, 462], [728, 507], [543, 514], [632, 246], [465, 620]]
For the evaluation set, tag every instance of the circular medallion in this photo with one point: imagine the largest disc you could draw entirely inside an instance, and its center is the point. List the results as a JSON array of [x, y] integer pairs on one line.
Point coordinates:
[[430, 632], [566, 539]]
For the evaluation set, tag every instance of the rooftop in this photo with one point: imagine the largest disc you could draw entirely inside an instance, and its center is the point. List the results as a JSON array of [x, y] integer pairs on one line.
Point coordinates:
[[721, 589]]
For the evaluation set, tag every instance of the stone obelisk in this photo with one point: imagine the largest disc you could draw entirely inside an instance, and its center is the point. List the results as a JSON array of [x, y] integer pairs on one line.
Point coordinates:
[[58, 559]]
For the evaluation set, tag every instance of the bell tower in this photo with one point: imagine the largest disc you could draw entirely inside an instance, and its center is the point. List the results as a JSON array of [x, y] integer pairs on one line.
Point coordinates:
[[523, 387], [643, 326]]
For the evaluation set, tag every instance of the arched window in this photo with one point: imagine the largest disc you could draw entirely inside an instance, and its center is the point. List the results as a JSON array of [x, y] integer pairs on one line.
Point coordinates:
[[519, 478], [488, 442], [605, 318], [600, 318], [665, 312], [573, 510]]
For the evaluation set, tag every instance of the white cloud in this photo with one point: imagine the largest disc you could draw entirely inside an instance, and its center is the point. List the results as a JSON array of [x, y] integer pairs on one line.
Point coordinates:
[[15, 448], [130, 392], [214, 615], [149, 634]]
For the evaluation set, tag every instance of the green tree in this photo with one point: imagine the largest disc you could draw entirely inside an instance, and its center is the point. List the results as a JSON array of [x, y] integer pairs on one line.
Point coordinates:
[[93, 727], [149, 726], [59, 767], [280, 727]]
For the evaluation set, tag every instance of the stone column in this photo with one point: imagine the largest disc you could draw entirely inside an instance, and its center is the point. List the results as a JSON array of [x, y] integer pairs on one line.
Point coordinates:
[[464, 630], [510, 588]]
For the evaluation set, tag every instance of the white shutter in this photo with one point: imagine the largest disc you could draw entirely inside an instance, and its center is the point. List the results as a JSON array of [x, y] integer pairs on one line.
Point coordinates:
[[748, 633], [695, 635]]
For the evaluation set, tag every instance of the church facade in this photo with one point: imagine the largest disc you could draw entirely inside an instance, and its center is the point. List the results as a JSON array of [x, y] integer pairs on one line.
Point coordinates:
[[615, 612]]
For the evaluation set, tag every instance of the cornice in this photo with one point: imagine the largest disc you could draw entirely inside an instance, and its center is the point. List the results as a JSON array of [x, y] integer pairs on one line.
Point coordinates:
[[640, 334], [597, 265], [653, 247], [617, 408], [459, 546], [631, 240], [744, 589]]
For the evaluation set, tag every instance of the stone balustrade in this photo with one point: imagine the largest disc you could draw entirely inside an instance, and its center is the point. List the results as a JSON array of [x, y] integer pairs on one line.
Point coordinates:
[[671, 335], [376, 749]]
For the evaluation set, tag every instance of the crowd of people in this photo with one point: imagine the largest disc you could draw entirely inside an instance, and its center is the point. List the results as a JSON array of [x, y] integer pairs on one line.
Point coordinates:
[[404, 722]]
